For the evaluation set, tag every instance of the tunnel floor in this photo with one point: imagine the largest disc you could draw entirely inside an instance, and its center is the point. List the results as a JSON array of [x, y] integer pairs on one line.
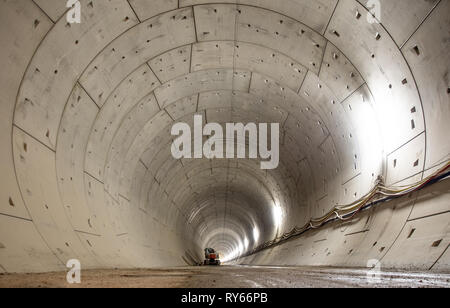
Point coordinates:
[[230, 277]]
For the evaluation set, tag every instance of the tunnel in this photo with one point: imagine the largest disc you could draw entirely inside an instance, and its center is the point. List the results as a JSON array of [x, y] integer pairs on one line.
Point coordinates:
[[359, 89]]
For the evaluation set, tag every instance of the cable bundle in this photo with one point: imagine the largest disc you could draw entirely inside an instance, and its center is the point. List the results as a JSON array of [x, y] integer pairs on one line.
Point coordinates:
[[378, 194]]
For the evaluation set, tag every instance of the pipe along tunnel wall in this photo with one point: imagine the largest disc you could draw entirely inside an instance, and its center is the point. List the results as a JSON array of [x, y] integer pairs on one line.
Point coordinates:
[[86, 112]]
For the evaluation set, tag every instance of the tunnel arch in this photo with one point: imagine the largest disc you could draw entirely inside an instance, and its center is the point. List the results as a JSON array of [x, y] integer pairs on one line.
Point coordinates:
[[91, 107]]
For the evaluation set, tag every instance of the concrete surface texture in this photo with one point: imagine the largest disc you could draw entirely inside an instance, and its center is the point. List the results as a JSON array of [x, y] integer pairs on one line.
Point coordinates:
[[229, 277], [86, 111]]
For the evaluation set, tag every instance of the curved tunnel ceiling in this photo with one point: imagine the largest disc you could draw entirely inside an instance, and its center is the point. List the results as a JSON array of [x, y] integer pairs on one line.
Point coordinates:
[[91, 106]]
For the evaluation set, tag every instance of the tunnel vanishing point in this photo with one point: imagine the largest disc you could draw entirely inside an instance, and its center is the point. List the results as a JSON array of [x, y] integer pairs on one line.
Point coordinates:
[[360, 91]]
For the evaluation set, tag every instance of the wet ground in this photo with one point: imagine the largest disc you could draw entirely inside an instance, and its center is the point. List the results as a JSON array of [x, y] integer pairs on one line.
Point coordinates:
[[229, 277]]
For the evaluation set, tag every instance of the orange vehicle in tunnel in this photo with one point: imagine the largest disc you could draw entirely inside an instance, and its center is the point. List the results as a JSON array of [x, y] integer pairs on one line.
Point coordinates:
[[211, 257]]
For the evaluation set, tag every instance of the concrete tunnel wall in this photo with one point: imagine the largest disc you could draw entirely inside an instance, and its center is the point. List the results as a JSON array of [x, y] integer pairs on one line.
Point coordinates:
[[86, 112]]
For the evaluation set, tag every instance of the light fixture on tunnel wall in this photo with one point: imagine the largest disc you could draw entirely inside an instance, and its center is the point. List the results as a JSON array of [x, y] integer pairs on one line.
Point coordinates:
[[255, 235], [366, 121], [387, 110], [277, 213], [246, 243]]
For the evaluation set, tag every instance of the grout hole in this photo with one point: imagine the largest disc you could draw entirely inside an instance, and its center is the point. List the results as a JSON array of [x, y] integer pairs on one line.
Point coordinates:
[[336, 33], [413, 110], [404, 81], [416, 50], [11, 203], [416, 163], [411, 233], [436, 244], [358, 15], [395, 163], [413, 124], [382, 249], [378, 36]]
